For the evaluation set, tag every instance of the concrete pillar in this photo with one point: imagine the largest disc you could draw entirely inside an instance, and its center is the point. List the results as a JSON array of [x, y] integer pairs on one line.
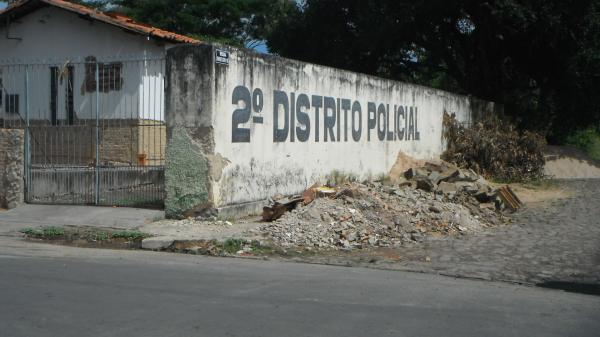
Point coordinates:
[[190, 138], [11, 168]]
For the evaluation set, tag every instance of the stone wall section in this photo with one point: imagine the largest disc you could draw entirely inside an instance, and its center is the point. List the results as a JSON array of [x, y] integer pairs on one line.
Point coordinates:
[[11, 168]]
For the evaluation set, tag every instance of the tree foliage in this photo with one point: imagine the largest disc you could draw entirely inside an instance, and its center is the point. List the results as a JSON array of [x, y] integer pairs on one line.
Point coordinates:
[[98, 4], [238, 22], [540, 58]]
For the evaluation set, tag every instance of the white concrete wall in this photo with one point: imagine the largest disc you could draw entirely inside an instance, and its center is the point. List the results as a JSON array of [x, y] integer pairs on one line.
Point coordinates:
[[256, 164], [52, 36]]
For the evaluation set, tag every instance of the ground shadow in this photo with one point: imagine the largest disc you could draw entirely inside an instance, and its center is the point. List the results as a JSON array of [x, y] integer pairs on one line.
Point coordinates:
[[573, 287]]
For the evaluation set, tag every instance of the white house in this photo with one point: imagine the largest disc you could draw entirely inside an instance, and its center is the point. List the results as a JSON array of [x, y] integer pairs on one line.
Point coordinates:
[[64, 64], [63, 44]]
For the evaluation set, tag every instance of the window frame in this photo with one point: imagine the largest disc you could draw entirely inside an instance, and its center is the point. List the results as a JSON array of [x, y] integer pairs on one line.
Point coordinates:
[[110, 76], [12, 106]]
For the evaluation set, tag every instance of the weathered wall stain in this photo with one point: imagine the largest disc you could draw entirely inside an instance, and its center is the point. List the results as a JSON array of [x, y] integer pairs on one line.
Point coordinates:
[[267, 125], [259, 180], [217, 164]]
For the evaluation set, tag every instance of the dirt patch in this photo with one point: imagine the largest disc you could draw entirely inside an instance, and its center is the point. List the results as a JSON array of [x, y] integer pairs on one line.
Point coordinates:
[[542, 191], [565, 162], [236, 248], [198, 229], [86, 237], [110, 244]]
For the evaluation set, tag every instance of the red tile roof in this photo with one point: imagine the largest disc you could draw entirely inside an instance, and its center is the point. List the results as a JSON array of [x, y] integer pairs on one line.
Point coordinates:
[[114, 19]]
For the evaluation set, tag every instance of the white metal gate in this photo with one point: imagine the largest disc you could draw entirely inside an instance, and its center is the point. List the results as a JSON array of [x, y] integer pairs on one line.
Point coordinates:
[[95, 131]]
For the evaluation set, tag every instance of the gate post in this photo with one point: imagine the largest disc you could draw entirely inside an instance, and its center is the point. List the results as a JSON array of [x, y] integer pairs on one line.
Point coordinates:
[[190, 134], [27, 154], [96, 166]]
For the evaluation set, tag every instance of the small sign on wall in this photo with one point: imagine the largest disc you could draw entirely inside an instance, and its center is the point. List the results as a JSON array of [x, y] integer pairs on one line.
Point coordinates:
[[222, 57]]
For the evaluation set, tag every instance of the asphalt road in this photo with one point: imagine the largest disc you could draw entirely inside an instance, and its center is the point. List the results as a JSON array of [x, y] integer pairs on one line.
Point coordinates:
[[60, 291]]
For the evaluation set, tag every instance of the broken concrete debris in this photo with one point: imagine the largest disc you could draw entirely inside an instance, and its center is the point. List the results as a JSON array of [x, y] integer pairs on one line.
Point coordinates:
[[279, 207], [316, 191], [157, 243], [435, 200]]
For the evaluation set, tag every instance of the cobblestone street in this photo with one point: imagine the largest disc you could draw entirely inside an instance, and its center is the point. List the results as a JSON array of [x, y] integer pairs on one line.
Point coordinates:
[[549, 241]]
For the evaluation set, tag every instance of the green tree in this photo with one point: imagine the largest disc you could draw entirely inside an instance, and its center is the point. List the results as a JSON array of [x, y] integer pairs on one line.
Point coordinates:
[[540, 58], [237, 22], [99, 4]]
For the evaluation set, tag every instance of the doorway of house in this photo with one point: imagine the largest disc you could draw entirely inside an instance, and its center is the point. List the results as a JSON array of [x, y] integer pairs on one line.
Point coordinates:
[[61, 95]]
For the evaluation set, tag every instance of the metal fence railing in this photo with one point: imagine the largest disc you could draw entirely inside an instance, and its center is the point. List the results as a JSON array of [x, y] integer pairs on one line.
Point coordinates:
[[95, 130]]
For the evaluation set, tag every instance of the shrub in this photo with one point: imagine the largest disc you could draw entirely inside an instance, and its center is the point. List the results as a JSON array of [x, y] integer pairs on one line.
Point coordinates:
[[46, 232], [336, 178], [494, 148], [231, 246], [129, 235], [587, 140]]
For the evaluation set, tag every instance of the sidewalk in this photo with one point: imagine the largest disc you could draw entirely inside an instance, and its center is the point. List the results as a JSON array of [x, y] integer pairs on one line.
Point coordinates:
[[548, 241], [54, 215]]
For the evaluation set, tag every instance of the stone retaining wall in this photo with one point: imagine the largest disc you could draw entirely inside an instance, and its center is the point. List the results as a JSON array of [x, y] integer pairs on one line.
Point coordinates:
[[11, 167]]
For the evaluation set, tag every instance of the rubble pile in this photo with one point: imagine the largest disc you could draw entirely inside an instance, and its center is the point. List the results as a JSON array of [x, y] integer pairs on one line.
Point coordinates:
[[494, 148], [437, 199]]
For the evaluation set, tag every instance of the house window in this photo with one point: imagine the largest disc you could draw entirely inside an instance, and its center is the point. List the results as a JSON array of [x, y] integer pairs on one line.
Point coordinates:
[[11, 103], [109, 75]]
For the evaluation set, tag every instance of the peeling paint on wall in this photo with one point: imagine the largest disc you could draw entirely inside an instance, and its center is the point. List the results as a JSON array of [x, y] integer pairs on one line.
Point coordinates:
[[186, 176], [217, 164]]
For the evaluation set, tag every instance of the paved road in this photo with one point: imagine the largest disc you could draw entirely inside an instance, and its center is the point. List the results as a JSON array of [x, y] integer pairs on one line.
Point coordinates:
[[62, 291], [551, 241]]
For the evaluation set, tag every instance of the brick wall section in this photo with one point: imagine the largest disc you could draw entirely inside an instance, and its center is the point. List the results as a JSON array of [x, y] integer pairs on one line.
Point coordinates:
[[119, 145], [11, 167], [152, 137], [121, 141], [61, 145], [76, 145]]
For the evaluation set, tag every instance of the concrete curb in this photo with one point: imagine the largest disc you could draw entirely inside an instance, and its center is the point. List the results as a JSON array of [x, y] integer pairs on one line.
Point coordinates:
[[157, 243]]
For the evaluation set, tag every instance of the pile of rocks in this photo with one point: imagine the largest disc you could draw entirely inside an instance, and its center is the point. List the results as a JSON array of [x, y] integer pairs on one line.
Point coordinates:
[[452, 182], [435, 200]]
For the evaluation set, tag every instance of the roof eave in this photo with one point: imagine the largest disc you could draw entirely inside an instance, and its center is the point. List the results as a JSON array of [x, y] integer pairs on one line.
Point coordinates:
[[25, 7]]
